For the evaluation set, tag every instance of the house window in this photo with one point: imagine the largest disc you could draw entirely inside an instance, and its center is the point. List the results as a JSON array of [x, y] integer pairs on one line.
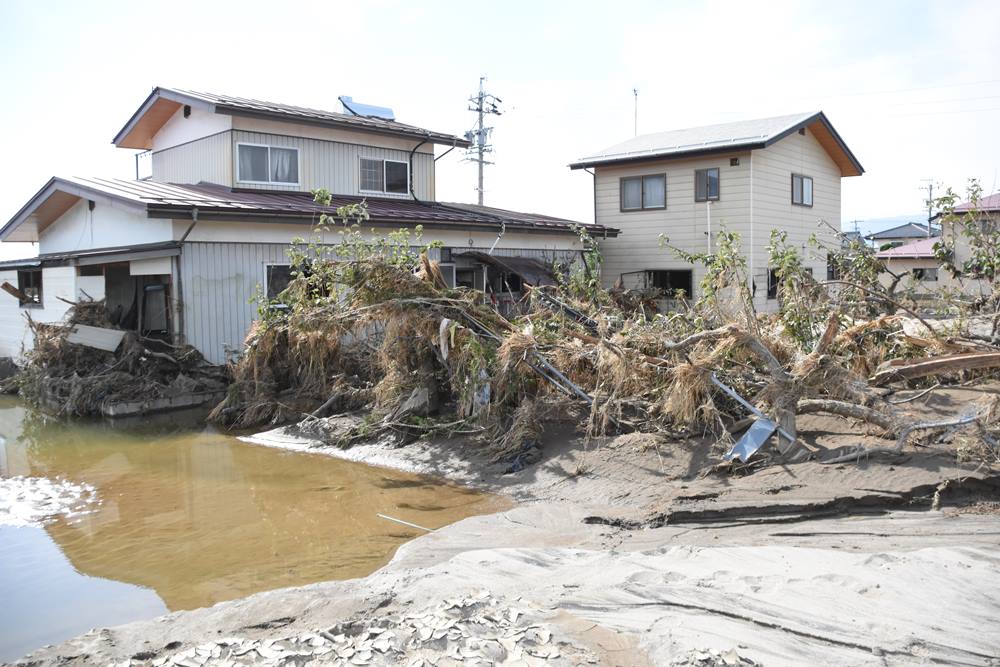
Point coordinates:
[[267, 164], [772, 284], [30, 285], [832, 267], [926, 275], [278, 276], [706, 184], [644, 192], [802, 190], [388, 176], [671, 281]]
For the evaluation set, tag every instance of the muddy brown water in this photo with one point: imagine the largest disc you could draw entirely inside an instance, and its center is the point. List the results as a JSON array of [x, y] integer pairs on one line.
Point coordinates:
[[189, 517]]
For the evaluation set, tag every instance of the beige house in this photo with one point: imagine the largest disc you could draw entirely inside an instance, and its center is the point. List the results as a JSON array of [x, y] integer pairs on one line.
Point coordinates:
[[222, 188], [749, 177], [916, 266]]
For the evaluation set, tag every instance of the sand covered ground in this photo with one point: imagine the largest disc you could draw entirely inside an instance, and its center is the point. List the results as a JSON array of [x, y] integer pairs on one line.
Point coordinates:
[[621, 552]]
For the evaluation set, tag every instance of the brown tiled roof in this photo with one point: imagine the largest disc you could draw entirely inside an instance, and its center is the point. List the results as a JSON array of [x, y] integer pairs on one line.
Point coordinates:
[[219, 202]]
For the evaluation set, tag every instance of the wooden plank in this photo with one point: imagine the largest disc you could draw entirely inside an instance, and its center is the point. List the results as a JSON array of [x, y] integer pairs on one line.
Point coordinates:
[[96, 337], [936, 365], [13, 291]]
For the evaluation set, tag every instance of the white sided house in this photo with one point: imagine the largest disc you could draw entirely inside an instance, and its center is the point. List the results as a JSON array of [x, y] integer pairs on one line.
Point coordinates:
[[181, 252], [748, 177]]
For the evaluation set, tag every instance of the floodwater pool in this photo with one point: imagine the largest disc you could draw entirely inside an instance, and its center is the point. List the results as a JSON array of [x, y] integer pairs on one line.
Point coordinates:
[[165, 516]]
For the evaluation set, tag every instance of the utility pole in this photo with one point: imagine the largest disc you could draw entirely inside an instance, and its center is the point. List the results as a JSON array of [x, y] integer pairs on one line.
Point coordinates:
[[930, 203], [483, 104], [635, 112]]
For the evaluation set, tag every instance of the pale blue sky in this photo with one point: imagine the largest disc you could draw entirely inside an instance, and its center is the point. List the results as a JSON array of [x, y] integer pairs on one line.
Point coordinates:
[[913, 87]]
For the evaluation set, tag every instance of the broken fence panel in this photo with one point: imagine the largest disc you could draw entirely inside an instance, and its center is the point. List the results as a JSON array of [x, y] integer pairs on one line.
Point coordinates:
[[96, 337]]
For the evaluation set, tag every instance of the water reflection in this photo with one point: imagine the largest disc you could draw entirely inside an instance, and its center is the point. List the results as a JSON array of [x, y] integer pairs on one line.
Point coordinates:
[[200, 517]]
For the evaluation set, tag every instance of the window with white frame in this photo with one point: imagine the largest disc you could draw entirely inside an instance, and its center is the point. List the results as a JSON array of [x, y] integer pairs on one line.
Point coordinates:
[[273, 165], [385, 176], [802, 190]]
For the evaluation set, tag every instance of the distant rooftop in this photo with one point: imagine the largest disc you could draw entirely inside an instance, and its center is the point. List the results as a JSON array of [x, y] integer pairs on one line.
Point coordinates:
[[725, 137], [918, 249], [910, 230], [988, 203], [162, 103]]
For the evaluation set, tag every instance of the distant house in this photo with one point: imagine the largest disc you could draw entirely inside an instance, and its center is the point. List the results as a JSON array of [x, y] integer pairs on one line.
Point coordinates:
[[751, 177], [916, 260], [903, 235], [180, 253]]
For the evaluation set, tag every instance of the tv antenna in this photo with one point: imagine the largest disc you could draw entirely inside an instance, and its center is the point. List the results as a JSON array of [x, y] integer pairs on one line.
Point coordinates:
[[635, 112], [483, 104]]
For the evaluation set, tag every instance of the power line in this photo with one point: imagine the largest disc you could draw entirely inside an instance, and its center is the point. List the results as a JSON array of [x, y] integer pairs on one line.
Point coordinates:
[[902, 90]]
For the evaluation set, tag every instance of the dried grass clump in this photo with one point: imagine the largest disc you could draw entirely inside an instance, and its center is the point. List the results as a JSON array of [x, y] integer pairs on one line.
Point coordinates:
[[688, 399]]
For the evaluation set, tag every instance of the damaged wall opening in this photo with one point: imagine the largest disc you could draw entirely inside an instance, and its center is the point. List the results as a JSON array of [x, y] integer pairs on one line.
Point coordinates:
[[30, 284], [671, 280], [137, 302]]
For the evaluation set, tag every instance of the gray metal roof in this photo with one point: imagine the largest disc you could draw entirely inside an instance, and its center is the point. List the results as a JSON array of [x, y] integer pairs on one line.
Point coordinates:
[[739, 135], [240, 106], [910, 230]]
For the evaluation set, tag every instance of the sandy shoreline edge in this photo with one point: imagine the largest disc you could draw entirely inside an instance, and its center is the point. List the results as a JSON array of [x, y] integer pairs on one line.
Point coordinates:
[[864, 588]]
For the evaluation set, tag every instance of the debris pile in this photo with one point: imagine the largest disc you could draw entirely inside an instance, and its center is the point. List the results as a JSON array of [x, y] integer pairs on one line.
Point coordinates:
[[371, 325], [84, 364], [474, 630]]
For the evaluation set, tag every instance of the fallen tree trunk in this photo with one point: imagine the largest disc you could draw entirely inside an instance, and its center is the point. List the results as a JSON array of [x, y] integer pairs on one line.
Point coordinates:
[[850, 410], [936, 366]]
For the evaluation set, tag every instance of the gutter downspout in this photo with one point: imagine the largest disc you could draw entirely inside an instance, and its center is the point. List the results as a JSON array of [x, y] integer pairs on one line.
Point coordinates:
[[178, 298], [752, 285], [410, 175], [708, 224], [594, 179]]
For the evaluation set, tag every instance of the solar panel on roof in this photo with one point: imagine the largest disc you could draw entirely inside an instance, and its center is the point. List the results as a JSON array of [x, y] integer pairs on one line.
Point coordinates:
[[366, 110]]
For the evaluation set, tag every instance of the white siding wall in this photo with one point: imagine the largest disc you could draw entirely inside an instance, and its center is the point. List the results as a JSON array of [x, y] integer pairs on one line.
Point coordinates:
[[104, 227], [207, 159], [684, 220], [58, 283], [220, 277], [13, 327], [180, 130], [335, 165]]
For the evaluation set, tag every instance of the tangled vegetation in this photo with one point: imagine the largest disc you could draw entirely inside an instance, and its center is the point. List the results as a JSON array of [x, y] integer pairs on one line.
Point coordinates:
[[369, 323]]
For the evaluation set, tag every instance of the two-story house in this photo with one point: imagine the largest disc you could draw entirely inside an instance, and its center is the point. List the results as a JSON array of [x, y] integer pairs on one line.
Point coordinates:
[[749, 177], [182, 251]]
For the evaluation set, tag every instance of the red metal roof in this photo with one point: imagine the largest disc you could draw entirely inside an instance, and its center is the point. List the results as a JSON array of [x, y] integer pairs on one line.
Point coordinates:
[[988, 203], [220, 202], [918, 249]]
